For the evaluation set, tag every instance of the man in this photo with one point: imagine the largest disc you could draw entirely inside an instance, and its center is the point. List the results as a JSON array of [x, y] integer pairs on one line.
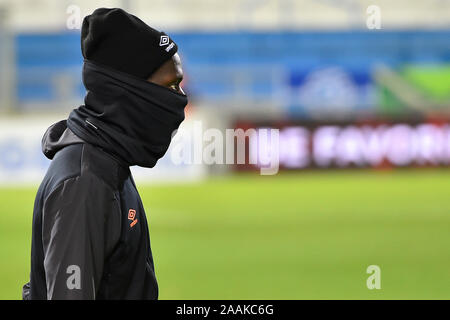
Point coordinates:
[[90, 236]]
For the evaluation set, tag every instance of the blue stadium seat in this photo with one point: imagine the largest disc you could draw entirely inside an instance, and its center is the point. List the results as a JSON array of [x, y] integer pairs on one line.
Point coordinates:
[[214, 61]]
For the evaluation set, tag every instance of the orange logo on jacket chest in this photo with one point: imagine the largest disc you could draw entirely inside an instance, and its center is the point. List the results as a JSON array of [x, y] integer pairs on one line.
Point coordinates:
[[132, 217]]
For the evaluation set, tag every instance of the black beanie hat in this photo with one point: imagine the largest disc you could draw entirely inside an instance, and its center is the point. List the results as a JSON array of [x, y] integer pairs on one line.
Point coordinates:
[[120, 40]]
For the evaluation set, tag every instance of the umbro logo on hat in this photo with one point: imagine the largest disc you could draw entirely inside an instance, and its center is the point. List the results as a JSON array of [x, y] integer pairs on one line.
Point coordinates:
[[164, 41]]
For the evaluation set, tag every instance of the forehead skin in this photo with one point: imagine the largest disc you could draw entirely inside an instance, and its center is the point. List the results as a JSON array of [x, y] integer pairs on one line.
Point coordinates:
[[169, 73]]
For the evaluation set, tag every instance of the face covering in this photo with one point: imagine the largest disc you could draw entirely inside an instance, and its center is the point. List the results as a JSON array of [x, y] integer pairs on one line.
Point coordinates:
[[127, 116]]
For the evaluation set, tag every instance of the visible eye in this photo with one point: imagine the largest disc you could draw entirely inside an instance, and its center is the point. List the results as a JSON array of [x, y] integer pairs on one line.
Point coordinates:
[[176, 87]]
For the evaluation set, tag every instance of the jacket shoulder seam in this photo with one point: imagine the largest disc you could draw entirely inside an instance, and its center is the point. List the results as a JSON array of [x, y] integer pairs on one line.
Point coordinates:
[[59, 185], [78, 175]]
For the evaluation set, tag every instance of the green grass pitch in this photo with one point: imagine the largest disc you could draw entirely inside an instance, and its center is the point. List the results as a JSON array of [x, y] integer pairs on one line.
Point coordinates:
[[308, 235]]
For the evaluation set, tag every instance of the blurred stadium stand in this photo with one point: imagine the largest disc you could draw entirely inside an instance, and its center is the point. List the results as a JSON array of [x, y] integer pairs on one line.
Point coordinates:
[[244, 60], [303, 58], [240, 14], [239, 68]]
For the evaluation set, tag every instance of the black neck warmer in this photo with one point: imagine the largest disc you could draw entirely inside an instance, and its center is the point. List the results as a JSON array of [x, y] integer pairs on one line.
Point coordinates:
[[126, 116]]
